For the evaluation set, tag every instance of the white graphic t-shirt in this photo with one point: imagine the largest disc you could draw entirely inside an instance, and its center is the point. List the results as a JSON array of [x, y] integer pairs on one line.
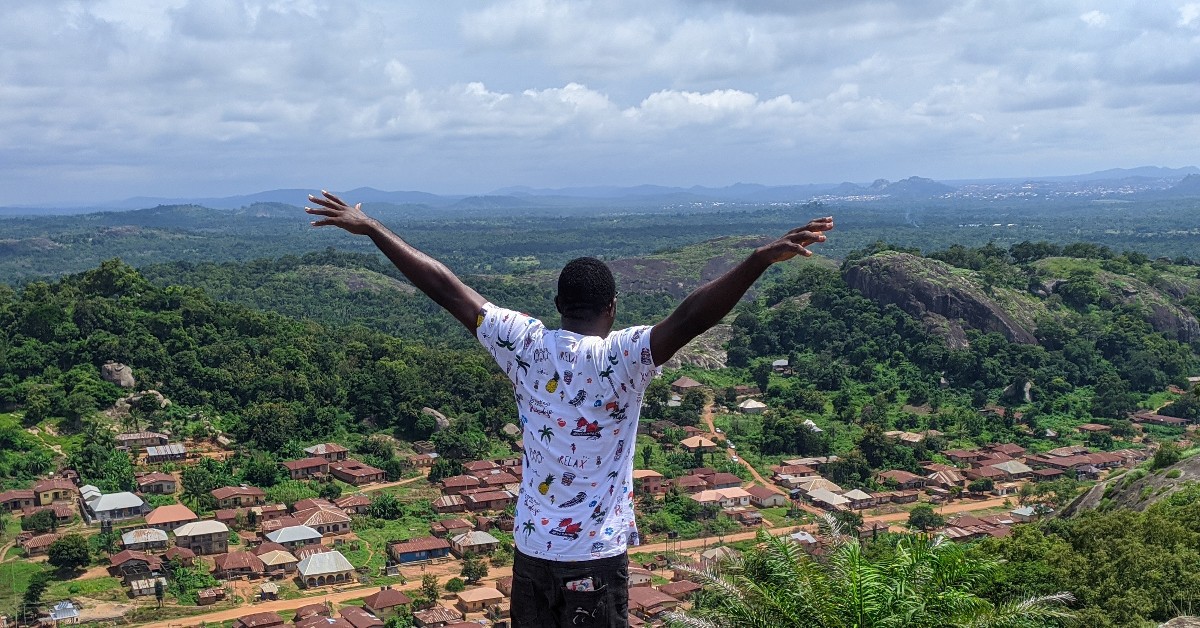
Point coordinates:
[[579, 398]]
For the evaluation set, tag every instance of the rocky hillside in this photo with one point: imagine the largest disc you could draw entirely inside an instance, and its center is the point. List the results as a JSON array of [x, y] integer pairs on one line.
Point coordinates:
[[951, 300], [1138, 489], [947, 299]]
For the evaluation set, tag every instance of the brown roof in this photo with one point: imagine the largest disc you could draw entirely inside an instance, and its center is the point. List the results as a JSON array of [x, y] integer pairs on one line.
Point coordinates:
[[360, 618], [460, 480], [324, 622], [259, 619], [325, 448], [900, 476], [419, 544], [225, 492], [689, 480], [355, 468], [723, 478], [7, 496], [182, 553], [269, 546], [316, 609], [437, 614], [238, 560], [151, 478], [762, 492], [480, 465], [352, 501], [384, 599], [686, 382], [54, 484], [677, 589], [321, 516], [125, 556], [39, 542], [305, 463], [646, 597]]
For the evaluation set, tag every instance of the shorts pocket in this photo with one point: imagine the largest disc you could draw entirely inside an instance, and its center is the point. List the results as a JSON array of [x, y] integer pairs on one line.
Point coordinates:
[[585, 608]]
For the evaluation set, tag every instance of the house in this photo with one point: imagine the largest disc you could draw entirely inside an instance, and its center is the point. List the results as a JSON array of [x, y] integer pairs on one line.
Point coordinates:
[[142, 587], [808, 485], [490, 500], [498, 479], [423, 447], [1026, 514], [827, 499], [356, 473], [54, 490], [1008, 449], [17, 499], [360, 618], [690, 483], [354, 504], [961, 456], [237, 565], [475, 600], [859, 499], [639, 576], [328, 521], [308, 611], [64, 612], [782, 366], [1013, 469], [305, 468], [113, 506], [139, 440], [684, 384], [805, 539], [984, 473], [480, 466], [203, 537], [157, 483], [901, 479], [450, 527], [312, 502], [723, 480], [745, 516], [698, 444], [1045, 475], [332, 452], [946, 479], [259, 620], [682, 590], [131, 565], [475, 542], [648, 482], [186, 557], [1093, 428], [236, 496], [764, 497], [449, 503], [278, 562], [456, 484], [436, 616], [386, 602], [650, 603], [163, 453], [144, 539], [325, 568], [37, 545], [752, 406], [723, 497], [419, 549], [293, 537], [422, 461]]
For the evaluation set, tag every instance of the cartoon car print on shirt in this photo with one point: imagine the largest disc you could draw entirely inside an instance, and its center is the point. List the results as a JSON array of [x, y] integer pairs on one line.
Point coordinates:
[[568, 529], [587, 430]]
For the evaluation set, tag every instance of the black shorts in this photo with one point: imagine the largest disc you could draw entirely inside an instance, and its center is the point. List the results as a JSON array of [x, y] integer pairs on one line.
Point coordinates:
[[541, 599]]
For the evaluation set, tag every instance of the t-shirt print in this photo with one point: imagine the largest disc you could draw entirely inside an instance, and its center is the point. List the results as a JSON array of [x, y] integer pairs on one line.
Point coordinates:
[[579, 399]]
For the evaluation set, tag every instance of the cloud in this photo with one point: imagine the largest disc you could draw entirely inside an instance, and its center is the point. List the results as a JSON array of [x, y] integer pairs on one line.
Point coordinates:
[[116, 98]]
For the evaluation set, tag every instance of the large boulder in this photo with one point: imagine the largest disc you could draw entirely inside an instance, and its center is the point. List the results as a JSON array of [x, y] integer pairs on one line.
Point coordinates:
[[118, 374], [947, 301], [440, 419]]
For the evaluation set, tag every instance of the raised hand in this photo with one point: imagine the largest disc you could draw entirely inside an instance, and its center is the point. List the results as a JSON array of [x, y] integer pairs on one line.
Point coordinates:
[[338, 214], [796, 241]]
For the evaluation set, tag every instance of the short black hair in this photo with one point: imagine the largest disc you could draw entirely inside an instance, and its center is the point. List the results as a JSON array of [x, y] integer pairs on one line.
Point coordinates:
[[585, 288]]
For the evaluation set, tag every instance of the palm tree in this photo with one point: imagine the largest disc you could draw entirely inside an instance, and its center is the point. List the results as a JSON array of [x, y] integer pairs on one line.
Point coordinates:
[[925, 583]]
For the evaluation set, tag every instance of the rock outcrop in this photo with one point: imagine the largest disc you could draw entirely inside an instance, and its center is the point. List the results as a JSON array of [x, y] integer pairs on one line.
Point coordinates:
[[118, 374], [440, 419], [942, 297]]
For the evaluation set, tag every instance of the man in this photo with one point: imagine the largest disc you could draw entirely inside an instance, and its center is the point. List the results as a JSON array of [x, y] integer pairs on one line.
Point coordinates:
[[579, 394]]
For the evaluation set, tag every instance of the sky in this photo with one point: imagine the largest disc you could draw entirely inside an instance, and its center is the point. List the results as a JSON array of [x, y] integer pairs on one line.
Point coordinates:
[[109, 99]]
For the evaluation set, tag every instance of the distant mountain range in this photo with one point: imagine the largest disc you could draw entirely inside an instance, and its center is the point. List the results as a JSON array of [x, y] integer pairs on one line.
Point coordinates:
[[1146, 181]]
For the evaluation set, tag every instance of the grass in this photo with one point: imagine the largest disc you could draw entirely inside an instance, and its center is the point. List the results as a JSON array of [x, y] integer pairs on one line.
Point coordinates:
[[105, 588], [372, 552], [14, 579]]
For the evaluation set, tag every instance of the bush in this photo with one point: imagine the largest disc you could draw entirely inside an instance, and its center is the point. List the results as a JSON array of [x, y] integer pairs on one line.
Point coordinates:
[[1174, 473], [454, 585]]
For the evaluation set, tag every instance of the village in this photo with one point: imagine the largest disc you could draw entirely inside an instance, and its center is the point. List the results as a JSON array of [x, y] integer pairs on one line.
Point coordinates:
[[307, 564]]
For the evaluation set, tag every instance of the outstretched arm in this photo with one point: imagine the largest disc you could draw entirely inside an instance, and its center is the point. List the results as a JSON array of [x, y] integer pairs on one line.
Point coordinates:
[[711, 302], [427, 274]]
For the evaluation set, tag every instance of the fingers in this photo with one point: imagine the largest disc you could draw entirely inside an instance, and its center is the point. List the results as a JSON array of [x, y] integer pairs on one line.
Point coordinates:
[[319, 212], [333, 198]]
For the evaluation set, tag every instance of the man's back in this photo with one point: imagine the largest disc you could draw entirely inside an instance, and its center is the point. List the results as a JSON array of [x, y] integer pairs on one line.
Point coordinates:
[[579, 398]]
